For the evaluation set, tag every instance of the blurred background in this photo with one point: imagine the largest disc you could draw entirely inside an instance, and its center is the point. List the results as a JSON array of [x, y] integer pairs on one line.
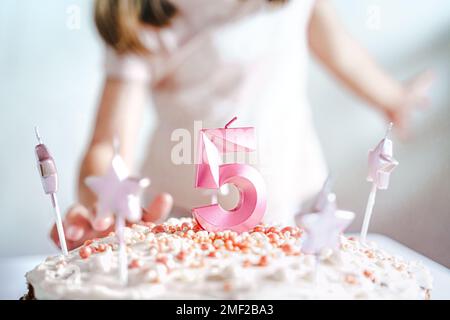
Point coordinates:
[[51, 73]]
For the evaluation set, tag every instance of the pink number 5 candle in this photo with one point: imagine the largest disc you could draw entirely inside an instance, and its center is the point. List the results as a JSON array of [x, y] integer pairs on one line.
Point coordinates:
[[212, 174]]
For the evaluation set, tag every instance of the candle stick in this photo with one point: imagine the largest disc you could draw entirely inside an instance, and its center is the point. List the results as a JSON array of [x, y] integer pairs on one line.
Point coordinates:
[[118, 194], [49, 179], [123, 260], [381, 164]]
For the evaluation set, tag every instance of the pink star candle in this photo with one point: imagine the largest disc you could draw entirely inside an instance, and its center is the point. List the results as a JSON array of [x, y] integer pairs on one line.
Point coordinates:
[[381, 164], [324, 228], [118, 194], [212, 174]]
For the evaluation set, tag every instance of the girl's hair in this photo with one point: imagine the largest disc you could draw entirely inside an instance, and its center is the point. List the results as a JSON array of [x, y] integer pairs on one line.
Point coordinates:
[[118, 21]]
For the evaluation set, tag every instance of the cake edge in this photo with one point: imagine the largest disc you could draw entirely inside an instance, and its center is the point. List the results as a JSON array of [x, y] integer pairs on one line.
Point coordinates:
[[30, 294]]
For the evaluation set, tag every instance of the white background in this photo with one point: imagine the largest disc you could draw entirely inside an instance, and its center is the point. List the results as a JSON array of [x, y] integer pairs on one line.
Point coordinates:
[[50, 75]]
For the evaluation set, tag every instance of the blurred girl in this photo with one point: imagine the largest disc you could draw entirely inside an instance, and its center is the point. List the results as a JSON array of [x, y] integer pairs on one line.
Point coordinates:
[[208, 61]]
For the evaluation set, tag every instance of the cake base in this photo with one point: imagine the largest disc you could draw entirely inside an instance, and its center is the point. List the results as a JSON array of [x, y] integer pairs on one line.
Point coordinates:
[[29, 295], [179, 260]]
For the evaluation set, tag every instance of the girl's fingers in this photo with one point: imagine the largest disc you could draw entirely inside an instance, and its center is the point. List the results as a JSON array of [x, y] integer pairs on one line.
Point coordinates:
[[159, 209], [73, 232], [416, 98], [423, 81], [101, 224], [419, 88], [76, 225], [80, 224], [402, 122], [77, 222]]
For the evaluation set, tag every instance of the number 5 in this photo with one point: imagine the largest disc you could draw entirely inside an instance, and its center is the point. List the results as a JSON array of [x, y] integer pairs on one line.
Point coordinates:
[[212, 175]]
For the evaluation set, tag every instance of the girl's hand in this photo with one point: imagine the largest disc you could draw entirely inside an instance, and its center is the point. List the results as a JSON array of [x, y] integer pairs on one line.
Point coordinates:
[[414, 97], [80, 226]]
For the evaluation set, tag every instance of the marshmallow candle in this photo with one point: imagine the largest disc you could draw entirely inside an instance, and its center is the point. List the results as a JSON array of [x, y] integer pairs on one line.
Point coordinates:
[[118, 194], [49, 179], [212, 174], [381, 164]]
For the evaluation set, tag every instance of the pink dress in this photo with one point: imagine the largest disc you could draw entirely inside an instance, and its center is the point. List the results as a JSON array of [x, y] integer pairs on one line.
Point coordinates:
[[224, 58]]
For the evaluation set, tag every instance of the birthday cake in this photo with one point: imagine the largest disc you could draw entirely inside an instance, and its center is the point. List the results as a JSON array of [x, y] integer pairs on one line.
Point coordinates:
[[201, 258], [180, 260]]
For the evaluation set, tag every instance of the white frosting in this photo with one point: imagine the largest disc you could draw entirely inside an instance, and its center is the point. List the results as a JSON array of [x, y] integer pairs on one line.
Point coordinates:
[[355, 271]]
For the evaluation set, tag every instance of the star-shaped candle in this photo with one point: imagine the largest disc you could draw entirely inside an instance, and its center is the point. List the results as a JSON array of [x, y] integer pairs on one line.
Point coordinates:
[[323, 229], [119, 195], [381, 164]]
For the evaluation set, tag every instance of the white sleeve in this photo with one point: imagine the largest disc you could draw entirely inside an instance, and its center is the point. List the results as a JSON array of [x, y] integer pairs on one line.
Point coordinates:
[[127, 66]]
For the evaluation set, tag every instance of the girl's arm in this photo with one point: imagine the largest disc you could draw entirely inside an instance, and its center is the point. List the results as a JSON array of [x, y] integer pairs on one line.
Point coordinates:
[[119, 115], [350, 63]]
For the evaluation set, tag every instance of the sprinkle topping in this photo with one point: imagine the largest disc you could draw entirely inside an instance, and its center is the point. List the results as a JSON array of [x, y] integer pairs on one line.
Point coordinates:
[[178, 257]]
